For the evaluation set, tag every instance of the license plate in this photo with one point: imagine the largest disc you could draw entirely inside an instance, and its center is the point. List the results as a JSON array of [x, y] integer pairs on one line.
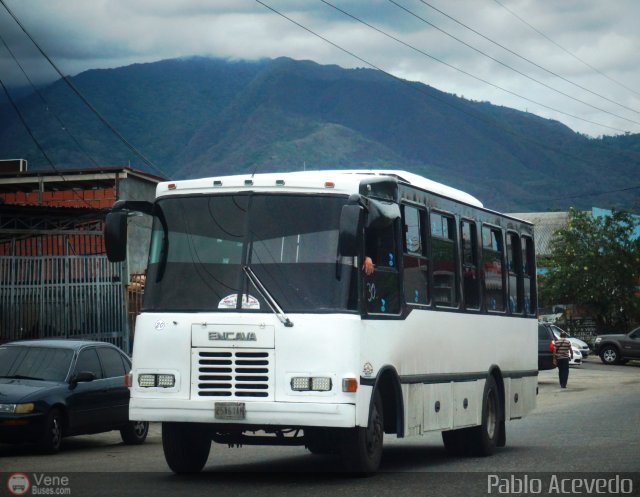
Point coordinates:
[[230, 410]]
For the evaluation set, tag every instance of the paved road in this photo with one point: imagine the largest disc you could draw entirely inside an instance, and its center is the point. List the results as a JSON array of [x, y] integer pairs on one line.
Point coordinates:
[[593, 426]]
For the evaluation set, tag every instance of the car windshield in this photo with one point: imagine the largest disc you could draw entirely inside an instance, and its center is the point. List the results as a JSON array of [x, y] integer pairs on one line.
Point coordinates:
[[200, 245], [35, 363]]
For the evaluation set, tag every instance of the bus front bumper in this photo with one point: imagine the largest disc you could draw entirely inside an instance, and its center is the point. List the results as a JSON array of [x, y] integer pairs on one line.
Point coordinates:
[[286, 414]]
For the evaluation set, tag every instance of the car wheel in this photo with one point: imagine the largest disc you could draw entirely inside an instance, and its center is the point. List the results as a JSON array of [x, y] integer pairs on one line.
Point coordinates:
[[51, 438], [186, 447], [609, 355], [361, 448], [135, 432]]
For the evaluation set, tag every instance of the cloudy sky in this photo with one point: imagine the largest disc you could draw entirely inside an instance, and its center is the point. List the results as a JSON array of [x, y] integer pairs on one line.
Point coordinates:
[[576, 61]]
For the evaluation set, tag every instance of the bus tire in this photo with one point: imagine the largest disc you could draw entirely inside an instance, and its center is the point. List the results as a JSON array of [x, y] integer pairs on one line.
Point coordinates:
[[454, 442], [361, 448], [186, 447], [321, 441], [483, 440]]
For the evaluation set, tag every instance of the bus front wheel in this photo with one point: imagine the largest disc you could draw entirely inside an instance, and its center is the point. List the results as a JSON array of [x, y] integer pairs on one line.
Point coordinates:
[[361, 449], [186, 447]]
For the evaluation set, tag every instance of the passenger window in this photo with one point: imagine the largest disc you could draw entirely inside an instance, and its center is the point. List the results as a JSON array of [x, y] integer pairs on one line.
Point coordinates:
[[470, 277], [88, 361], [415, 263], [111, 362], [529, 276], [443, 255], [492, 257], [514, 266]]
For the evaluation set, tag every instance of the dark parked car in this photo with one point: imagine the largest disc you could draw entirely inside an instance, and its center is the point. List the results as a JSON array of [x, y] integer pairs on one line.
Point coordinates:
[[546, 340], [50, 389], [618, 349]]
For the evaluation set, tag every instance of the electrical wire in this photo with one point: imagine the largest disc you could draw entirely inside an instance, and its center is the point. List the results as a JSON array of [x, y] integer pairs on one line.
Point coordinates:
[[419, 89], [37, 143], [73, 88], [462, 71], [46, 104], [564, 49], [549, 87], [528, 60]]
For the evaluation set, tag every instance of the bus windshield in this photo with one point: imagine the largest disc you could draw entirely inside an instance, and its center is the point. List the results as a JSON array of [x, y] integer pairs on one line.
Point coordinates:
[[200, 244]]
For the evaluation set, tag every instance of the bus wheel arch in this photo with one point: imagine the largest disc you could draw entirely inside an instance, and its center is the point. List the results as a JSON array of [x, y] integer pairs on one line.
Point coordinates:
[[388, 384]]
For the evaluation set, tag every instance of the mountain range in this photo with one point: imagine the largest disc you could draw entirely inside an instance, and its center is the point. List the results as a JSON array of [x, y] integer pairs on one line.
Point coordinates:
[[197, 116]]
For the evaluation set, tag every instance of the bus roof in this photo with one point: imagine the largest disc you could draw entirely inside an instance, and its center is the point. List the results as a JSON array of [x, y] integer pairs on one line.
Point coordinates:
[[338, 181]]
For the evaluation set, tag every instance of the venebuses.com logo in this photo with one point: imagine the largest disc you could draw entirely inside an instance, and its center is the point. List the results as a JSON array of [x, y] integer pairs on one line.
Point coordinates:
[[18, 484]]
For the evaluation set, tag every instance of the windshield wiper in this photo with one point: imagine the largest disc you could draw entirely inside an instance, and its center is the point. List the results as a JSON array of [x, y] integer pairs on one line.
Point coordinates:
[[271, 302], [21, 377]]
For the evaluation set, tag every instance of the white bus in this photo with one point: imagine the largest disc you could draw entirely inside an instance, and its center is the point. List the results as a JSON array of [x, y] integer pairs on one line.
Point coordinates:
[[259, 325]]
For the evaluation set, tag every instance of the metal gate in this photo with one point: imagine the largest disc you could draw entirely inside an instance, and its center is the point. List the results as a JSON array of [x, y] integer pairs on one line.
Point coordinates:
[[71, 296]]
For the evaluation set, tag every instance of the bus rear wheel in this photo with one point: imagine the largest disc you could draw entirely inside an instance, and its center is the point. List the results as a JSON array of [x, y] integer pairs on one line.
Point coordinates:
[[361, 449], [483, 439], [186, 447]]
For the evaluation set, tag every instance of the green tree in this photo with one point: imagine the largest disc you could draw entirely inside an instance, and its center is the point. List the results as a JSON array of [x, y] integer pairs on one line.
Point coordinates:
[[595, 264]]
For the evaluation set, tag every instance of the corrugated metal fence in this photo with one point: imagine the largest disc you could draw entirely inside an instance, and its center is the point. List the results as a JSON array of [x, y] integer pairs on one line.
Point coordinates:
[[78, 297]]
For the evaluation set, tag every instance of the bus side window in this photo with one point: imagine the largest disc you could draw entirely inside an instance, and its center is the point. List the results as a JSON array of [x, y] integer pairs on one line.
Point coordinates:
[[529, 276], [414, 259], [382, 292], [470, 276], [492, 256], [514, 267], [445, 263]]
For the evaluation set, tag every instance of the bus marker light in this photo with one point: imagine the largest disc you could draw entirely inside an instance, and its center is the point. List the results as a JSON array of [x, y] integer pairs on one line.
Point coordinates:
[[349, 385], [248, 182], [171, 186], [217, 182], [280, 182], [329, 184]]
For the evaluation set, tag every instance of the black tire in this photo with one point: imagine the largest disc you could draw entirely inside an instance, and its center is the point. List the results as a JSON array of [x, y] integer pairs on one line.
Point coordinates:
[[483, 439], [479, 440], [610, 355], [361, 448], [135, 433], [52, 432], [454, 442], [320, 441], [186, 447]]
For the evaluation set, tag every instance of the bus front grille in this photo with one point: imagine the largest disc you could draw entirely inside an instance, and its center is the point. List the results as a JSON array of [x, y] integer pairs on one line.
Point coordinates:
[[232, 374]]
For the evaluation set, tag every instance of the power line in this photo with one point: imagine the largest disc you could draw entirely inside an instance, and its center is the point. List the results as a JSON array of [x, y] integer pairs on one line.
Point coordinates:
[[564, 49], [37, 143], [419, 89], [528, 60], [62, 125], [426, 54], [82, 97], [508, 66]]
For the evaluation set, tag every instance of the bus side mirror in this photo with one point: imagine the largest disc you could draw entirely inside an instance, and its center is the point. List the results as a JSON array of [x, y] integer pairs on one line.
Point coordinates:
[[115, 236], [351, 220]]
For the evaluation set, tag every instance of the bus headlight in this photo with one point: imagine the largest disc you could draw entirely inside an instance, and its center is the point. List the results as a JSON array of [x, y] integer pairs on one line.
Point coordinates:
[[156, 380], [306, 383]]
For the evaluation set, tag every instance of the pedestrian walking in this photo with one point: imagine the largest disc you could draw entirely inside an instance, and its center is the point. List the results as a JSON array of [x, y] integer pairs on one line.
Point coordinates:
[[562, 354]]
